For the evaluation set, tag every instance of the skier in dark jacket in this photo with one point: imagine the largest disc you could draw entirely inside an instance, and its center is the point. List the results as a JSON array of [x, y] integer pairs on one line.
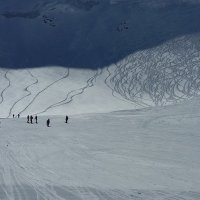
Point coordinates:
[[31, 118], [66, 119], [48, 122], [18, 115], [13, 116], [36, 119], [28, 119]]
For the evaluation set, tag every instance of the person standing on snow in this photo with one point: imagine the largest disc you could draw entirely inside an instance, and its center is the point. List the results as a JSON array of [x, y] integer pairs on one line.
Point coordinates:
[[48, 122], [13, 116], [18, 115], [28, 119], [36, 119]]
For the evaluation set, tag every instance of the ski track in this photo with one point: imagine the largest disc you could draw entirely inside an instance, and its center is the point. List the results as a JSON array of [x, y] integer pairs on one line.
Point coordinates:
[[106, 81], [41, 91], [77, 92], [26, 90], [147, 78], [43, 189], [161, 76], [112, 90], [3, 91], [120, 89]]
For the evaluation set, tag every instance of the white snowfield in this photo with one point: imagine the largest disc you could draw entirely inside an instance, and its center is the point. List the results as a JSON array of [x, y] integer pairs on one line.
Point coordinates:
[[147, 154], [126, 151]]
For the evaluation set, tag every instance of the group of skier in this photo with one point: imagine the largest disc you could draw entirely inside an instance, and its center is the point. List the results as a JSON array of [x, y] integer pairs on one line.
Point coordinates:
[[30, 119], [17, 115]]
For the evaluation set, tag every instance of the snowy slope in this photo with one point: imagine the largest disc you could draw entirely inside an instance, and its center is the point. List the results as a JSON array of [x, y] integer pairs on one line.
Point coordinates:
[[143, 53], [149, 154], [58, 91]]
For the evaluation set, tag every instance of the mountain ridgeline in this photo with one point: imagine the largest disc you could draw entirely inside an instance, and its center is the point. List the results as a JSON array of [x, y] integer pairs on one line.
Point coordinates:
[[89, 33]]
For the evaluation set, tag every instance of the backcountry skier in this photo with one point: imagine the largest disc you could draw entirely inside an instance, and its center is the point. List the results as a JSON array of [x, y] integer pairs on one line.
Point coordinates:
[[66, 119], [48, 122]]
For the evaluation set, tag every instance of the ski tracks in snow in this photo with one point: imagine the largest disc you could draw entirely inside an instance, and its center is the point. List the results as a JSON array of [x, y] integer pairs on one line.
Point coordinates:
[[44, 89], [70, 95], [3, 91], [73, 93], [26, 89]]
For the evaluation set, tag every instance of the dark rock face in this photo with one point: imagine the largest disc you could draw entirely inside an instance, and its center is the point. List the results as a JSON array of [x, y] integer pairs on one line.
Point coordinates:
[[28, 15], [89, 33]]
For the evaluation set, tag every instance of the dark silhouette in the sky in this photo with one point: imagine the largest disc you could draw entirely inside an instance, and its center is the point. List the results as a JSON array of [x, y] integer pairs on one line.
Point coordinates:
[[49, 21], [122, 26], [88, 34]]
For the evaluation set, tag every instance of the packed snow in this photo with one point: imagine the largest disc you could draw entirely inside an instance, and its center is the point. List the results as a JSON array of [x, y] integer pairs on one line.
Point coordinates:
[[132, 154]]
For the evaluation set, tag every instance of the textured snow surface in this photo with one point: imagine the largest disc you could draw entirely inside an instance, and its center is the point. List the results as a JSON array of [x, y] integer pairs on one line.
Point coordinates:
[[57, 91], [162, 75], [148, 154]]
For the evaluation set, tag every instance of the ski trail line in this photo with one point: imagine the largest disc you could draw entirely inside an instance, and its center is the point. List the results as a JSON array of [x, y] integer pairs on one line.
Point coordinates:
[[26, 90], [41, 91], [77, 92], [9, 84], [113, 91]]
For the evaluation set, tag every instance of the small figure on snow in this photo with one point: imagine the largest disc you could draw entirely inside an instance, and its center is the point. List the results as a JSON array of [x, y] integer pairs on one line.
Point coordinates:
[[66, 119], [18, 115], [13, 116], [48, 122], [31, 118], [28, 119], [36, 119]]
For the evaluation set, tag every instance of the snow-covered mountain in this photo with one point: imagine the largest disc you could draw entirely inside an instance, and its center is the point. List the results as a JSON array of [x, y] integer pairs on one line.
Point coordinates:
[[80, 56], [86, 58], [89, 33], [162, 75]]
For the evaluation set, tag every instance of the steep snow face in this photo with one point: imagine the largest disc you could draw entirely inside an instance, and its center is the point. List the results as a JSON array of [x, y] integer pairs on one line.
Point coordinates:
[[166, 74], [153, 47], [89, 33]]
